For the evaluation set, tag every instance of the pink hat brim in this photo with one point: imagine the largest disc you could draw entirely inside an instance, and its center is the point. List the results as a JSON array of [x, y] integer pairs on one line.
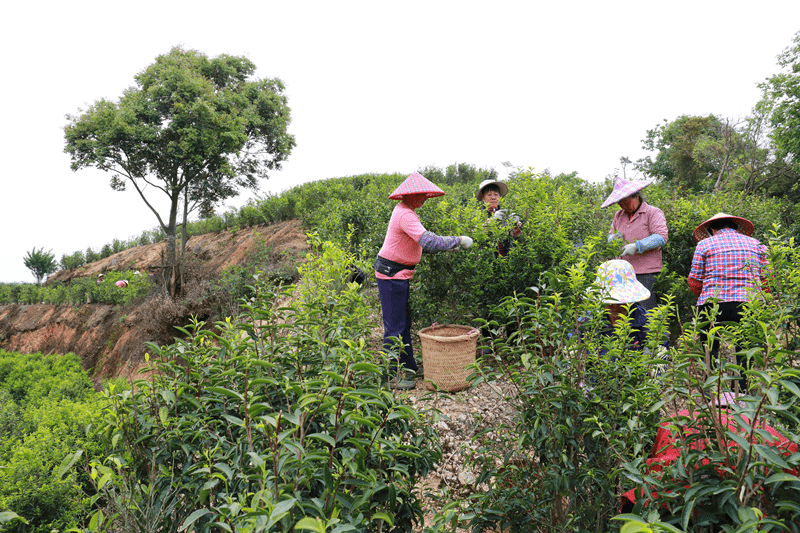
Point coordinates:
[[623, 189], [416, 183]]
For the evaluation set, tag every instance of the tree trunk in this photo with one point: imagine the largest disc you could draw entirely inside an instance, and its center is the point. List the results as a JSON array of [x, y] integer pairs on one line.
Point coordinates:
[[171, 247], [185, 233]]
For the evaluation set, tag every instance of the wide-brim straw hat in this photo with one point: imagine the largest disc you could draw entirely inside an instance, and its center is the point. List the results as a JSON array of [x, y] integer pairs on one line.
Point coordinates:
[[416, 183], [485, 183], [622, 189], [618, 284], [743, 226]]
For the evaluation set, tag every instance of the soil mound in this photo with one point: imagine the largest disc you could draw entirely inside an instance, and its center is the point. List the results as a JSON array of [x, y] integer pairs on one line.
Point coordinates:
[[111, 339]]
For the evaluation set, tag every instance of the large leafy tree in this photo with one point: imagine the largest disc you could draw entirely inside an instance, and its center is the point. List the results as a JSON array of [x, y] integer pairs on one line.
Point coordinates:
[[195, 129], [782, 102], [40, 263], [686, 152]]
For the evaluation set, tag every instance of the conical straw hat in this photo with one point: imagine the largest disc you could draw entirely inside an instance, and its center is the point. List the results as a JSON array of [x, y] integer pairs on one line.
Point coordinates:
[[416, 183]]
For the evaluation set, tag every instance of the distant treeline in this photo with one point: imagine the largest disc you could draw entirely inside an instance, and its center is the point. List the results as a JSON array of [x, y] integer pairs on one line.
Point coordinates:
[[305, 202]]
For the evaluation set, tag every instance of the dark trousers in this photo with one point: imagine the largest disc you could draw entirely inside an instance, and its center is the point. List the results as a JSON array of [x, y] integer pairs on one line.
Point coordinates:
[[648, 280], [728, 312], [394, 295]]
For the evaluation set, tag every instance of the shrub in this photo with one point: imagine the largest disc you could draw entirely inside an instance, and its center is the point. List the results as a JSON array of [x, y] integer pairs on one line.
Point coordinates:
[[727, 476], [47, 404], [80, 290], [580, 416], [275, 421], [91, 256], [73, 261], [223, 295]]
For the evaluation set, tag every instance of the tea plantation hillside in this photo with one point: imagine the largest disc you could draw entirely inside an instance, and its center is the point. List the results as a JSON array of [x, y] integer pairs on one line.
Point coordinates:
[[261, 404]]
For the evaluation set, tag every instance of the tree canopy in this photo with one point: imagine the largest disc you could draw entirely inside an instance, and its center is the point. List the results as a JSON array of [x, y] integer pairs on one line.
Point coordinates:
[[759, 153], [782, 102], [40, 263], [194, 128], [683, 158]]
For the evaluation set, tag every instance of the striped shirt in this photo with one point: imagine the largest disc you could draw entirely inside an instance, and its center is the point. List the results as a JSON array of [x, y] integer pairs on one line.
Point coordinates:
[[729, 265]]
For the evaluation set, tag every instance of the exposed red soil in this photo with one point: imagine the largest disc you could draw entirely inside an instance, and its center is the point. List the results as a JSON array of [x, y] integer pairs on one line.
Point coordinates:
[[110, 339]]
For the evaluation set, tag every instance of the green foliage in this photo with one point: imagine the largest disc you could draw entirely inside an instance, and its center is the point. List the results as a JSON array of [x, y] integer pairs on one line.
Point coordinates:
[[72, 261], [586, 404], [33, 377], [460, 173], [80, 291], [558, 217], [276, 421], [783, 95], [195, 128], [687, 155], [91, 256], [47, 403], [40, 263], [746, 485], [326, 271]]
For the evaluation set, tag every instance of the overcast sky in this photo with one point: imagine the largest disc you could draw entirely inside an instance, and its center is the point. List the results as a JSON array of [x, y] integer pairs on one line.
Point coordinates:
[[376, 87]]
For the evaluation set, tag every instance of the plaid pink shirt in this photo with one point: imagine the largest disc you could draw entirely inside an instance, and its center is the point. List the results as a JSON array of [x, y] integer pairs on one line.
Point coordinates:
[[729, 265], [646, 221]]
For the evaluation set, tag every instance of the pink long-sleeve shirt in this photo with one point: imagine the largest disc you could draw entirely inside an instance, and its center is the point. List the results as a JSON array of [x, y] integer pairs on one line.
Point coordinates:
[[646, 221], [401, 243]]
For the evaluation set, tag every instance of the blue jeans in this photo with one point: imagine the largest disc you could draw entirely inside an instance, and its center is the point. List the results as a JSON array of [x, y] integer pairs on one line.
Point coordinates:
[[394, 295]]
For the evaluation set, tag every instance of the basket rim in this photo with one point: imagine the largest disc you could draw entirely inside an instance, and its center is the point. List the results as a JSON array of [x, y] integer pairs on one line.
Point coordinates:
[[424, 332]]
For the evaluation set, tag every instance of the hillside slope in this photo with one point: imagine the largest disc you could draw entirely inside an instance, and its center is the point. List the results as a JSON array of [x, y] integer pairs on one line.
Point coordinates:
[[110, 339]]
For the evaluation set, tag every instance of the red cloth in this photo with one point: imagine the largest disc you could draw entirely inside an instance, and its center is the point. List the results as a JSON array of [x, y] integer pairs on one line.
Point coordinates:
[[666, 448], [696, 286]]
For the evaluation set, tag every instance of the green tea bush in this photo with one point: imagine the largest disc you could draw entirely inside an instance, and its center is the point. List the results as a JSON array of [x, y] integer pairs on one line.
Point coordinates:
[[80, 290], [46, 405], [557, 221], [559, 214], [276, 421], [72, 261], [728, 477], [585, 404]]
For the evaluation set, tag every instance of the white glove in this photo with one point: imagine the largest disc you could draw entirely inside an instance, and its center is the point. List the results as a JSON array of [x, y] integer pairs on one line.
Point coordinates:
[[628, 249], [500, 214], [465, 242], [615, 236]]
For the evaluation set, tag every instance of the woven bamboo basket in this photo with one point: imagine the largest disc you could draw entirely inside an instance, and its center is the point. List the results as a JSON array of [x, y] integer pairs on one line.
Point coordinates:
[[446, 352]]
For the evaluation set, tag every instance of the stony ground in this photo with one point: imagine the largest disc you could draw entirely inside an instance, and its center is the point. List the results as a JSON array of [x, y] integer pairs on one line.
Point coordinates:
[[462, 415]]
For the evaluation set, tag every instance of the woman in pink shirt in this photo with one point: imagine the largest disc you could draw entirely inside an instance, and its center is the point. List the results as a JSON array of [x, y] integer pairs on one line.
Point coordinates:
[[406, 239], [643, 230]]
